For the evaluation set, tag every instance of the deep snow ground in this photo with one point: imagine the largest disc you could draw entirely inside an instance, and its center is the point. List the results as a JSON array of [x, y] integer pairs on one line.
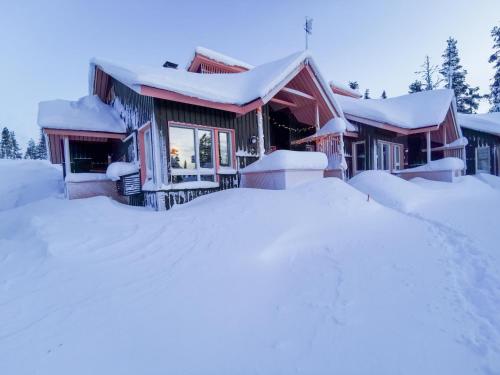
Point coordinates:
[[313, 280]]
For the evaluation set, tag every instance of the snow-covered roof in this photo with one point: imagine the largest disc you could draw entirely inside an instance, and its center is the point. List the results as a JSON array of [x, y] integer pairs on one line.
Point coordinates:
[[239, 89], [345, 88], [484, 122], [220, 57], [87, 113], [412, 111]]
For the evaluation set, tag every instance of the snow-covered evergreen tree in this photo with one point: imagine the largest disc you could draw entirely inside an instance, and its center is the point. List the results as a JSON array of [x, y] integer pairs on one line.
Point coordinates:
[[427, 74], [5, 145], [454, 75], [384, 95], [415, 86], [367, 94], [30, 150], [494, 59], [41, 147], [354, 85], [15, 150]]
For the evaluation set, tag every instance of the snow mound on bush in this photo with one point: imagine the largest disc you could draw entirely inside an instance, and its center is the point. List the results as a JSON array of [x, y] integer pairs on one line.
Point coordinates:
[[25, 181], [389, 190], [117, 169]]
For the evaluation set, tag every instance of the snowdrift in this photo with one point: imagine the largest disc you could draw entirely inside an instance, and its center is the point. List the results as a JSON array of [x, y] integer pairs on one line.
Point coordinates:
[[307, 280]]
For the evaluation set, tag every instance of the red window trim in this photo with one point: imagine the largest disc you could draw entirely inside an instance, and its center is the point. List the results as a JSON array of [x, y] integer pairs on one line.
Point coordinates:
[[216, 131]]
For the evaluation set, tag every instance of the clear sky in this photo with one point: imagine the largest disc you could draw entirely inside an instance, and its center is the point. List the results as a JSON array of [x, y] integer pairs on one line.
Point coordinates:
[[46, 45]]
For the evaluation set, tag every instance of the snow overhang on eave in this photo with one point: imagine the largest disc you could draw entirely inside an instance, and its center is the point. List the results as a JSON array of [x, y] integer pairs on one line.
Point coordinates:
[[392, 128]]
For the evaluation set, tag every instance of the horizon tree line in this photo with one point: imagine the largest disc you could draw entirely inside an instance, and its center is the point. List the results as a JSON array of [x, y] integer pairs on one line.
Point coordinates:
[[9, 147]]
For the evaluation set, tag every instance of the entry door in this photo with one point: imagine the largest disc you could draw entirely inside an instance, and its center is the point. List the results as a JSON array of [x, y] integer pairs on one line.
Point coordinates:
[[384, 156]]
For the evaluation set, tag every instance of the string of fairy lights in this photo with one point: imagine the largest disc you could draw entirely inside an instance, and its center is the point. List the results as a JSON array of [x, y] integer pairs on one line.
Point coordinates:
[[293, 130]]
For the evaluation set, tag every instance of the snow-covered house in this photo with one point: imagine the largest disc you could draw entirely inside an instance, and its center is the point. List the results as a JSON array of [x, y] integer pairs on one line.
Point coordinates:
[[188, 132], [401, 132], [483, 148]]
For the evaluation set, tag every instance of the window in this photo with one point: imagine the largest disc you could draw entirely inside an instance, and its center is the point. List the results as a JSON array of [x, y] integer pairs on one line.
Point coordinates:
[[192, 152], [224, 149], [483, 159], [359, 156], [148, 151], [396, 151]]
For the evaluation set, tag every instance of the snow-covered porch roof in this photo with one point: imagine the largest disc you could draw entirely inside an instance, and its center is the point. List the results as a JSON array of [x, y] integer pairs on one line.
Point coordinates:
[[293, 81], [88, 116], [484, 122], [407, 114]]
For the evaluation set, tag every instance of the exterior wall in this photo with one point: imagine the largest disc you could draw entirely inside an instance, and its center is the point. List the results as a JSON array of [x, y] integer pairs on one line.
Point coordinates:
[[245, 126], [86, 189], [279, 180], [480, 139]]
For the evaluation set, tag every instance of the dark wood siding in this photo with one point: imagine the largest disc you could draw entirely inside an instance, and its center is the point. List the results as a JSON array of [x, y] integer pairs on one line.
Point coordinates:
[[480, 139]]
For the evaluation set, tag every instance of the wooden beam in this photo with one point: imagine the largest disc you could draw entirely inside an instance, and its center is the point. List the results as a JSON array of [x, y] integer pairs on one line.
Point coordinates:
[[289, 90], [283, 102], [84, 133], [429, 147]]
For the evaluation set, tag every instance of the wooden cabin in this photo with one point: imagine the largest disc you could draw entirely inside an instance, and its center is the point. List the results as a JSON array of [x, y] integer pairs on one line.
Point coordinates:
[[190, 131], [483, 148], [402, 132]]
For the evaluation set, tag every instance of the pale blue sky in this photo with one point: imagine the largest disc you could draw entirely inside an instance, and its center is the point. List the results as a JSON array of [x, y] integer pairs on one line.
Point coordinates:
[[45, 46]]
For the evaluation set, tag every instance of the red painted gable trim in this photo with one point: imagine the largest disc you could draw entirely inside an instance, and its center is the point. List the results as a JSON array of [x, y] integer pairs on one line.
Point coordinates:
[[200, 59]]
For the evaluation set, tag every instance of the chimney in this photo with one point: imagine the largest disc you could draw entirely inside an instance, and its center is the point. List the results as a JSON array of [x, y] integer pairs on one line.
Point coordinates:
[[171, 65]]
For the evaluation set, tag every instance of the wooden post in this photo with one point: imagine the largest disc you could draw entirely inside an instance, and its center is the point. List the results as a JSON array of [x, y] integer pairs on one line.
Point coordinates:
[[428, 147], [67, 161], [260, 129], [342, 155], [316, 119]]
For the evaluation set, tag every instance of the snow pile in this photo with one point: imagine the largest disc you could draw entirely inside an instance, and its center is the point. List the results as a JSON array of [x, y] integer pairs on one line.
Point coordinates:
[[88, 113], [484, 122], [493, 181], [336, 125], [445, 164], [117, 169], [85, 177], [313, 280], [191, 185], [390, 190], [410, 111], [462, 141], [288, 160], [25, 181]]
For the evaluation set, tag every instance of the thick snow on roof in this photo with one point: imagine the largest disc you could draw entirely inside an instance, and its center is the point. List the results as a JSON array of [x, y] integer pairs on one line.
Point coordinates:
[[87, 113], [410, 111], [220, 57], [237, 88], [346, 88], [484, 122]]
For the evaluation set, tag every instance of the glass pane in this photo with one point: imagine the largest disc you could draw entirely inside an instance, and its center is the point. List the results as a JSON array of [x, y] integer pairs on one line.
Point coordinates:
[[386, 156], [360, 156], [224, 149], [397, 157], [185, 178], [182, 150], [207, 177], [149, 155], [205, 147]]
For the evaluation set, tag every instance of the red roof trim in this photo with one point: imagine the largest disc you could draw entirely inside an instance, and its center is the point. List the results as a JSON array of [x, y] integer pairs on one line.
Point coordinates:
[[84, 133]]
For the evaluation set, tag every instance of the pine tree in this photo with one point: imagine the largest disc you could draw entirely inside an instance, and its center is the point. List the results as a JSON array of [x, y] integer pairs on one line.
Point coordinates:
[[354, 85], [454, 75], [41, 147], [15, 150], [427, 74], [494, 96], [384, 95], [30, 150], [415, 86], [5, 145], [367, 94]]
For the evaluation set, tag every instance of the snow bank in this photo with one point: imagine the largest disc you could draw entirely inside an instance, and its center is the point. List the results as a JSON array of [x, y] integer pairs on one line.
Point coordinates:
[[191, 185], [410, 111], [117, 169], [493, 181], [26, 181], [85, 177], [88, 113], [483, 122], [389, 190], [445, 164], [286, 160]]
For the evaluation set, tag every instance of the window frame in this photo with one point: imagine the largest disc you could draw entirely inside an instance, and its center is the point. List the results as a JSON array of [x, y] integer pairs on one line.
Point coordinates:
[[392, 167], [148, 154], [355, 157], [198, 171]]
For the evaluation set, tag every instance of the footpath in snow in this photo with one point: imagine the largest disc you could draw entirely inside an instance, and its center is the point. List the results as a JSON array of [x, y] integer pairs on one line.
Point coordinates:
[[318, 279]]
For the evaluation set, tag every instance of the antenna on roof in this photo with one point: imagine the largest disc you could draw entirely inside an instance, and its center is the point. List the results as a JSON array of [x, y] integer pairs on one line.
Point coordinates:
[[308, 29]]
